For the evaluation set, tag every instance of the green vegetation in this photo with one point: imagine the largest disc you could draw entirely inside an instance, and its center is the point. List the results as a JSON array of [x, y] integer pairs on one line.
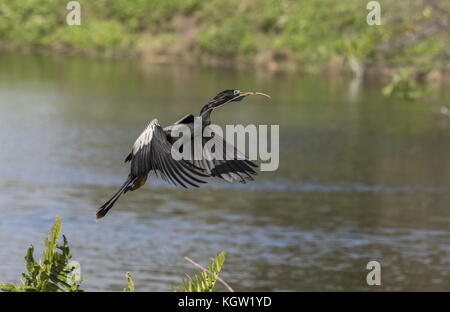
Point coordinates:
[[130, 286], [57, 274], [279, 34], [402, 86], [205, 280]]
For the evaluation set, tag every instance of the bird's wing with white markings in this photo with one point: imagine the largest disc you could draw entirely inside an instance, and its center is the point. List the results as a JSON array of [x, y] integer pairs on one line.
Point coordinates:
[[152, 151]]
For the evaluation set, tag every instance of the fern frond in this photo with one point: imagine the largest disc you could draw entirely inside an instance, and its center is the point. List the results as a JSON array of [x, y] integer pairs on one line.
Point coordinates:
[[204, 280], [55, 273]]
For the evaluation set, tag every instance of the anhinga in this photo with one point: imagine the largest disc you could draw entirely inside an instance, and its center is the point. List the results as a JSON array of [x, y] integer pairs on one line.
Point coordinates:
[[152, 151]]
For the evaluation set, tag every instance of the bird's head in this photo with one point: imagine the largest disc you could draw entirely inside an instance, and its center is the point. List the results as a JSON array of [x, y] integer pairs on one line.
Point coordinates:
[[227, 96]]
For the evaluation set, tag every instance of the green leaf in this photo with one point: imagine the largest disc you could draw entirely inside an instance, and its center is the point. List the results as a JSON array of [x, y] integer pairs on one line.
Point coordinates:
[[8, 287], [130, 286], [55, 272], [204, 281]]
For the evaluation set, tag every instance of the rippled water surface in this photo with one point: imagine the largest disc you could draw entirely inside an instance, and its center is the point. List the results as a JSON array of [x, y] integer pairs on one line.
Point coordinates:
[[361, 178]]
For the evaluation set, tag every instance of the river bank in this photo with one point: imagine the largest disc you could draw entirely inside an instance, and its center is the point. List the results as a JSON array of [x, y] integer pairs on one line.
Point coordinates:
[[274, 36]]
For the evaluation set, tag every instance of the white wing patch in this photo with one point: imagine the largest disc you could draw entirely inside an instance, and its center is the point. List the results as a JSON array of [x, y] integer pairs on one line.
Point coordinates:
[[145, 137]]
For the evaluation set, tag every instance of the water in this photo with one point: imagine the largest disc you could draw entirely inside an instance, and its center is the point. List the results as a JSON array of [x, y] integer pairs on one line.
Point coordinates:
[[361, 178]]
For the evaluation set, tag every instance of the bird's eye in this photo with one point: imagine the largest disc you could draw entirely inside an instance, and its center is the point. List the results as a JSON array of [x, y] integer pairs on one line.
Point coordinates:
[[236, 92]]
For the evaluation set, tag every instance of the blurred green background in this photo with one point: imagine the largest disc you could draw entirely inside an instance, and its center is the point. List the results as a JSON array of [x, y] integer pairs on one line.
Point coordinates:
[[285, 35]]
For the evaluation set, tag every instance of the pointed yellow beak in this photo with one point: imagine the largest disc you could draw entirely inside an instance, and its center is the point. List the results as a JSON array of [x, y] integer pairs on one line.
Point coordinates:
[[242, 94], [247, 93]]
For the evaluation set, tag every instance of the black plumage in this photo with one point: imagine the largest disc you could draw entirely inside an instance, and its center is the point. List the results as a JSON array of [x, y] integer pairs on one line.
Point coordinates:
[[152, 152]]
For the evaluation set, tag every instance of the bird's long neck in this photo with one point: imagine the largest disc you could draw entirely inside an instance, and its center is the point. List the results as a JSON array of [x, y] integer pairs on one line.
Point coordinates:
[[206, 110], [206, 117], [208, 107]]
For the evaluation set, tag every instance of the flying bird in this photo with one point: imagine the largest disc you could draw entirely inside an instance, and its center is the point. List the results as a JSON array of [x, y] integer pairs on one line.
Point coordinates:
[[152, 152]]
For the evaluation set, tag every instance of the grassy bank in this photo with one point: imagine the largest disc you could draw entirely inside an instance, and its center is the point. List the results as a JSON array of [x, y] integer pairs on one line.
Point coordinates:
[[273, 34]]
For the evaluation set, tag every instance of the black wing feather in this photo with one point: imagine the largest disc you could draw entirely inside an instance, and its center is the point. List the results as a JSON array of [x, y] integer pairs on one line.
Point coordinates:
[[156, 155], [233, 167]]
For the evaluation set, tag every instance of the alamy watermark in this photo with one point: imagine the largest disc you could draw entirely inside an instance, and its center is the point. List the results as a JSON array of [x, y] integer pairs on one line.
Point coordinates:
[[374, 276], [74, 15], [374, 16], [211, 143]]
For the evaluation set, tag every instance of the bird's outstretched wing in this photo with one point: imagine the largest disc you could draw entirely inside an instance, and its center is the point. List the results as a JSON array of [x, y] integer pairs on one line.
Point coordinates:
[[233, 166], [152, 151]]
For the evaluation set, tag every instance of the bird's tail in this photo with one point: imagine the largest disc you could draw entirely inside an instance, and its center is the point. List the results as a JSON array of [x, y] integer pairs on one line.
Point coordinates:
[[103, 210]]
